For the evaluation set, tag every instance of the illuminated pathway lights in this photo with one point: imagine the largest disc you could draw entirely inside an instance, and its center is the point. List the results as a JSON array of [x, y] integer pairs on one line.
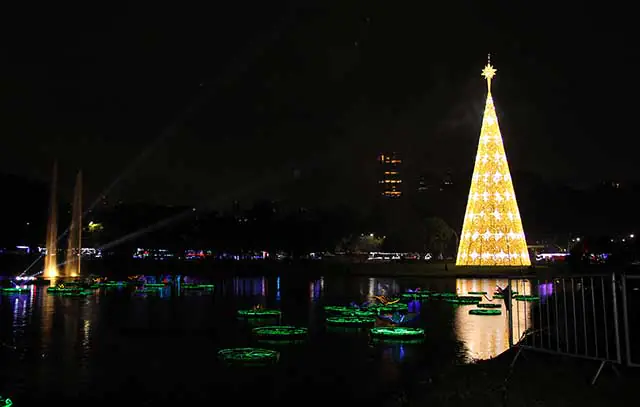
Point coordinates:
[[484, 311], [280, 332], [249, 356], [397, 332], [259, 313]]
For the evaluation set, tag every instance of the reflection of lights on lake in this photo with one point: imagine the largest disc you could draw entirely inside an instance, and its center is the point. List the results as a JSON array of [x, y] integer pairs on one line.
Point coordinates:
[[414, 306], [487, 336], [278, 289], [372, 287], [315, 290]]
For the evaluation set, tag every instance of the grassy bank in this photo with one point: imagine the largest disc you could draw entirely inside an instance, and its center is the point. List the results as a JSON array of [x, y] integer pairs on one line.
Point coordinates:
[[536, 380]]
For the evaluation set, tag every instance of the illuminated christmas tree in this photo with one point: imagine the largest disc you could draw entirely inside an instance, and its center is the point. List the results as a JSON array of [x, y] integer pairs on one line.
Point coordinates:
[[492, 234]]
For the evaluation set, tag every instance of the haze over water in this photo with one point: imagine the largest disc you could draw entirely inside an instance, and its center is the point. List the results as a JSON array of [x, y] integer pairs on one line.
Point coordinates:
[[162, 349]]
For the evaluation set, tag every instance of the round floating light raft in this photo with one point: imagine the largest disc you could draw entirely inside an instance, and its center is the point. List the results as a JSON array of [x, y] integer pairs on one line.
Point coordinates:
[[397, 307], [155, 285], [249, 356], [259, 313], [14, 290], [76, 294], [489, 305], [526, 298], [339, 309], [190, 286], [485, 311], [498, 295], [280, 333], [477, 292], [444, 295], [349, 320], [62, 290], [464, 299], [397, 332], [145, 290], [418, 295]]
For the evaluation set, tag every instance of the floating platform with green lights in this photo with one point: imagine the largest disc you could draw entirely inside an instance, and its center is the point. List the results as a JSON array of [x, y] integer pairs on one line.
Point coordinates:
[[443, 295], [154, 285], [62, 290], [249, 356], [351, 321], [150, 290], [259, 313], [397, 332], [489, 305], [485, 311], [203, 287], [5, 402], [526, 298], [418, 295], [477, 292], [280, 333], [464, 300], [391, 308], [14, 290]]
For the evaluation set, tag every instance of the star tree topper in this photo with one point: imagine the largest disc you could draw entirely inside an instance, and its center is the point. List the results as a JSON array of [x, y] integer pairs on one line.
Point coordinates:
[[489, 72]]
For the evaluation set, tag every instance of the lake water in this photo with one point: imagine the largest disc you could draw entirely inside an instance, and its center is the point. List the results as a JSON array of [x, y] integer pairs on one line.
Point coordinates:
[[116, 347]]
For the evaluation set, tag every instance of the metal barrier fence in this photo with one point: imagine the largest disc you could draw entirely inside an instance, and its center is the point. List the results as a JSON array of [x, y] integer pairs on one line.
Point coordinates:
[[575, 316], [631, 294]]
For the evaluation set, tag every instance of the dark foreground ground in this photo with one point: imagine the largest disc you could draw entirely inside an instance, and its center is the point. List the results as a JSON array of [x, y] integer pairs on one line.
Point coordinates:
[[536, 380]]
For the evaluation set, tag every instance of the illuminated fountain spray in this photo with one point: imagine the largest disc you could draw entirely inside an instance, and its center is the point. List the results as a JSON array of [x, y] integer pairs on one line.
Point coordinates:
[[74, 244], [50, 260]]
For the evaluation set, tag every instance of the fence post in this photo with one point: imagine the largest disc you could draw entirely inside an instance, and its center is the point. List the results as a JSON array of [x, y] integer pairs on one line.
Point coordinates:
[[509, 312], [616, 326]]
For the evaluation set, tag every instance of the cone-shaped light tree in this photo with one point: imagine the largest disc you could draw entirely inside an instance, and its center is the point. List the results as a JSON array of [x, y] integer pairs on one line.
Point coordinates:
[[492, 233]]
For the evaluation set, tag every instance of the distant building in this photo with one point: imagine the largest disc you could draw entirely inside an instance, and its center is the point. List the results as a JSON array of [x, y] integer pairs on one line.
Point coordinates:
[[390, 180]]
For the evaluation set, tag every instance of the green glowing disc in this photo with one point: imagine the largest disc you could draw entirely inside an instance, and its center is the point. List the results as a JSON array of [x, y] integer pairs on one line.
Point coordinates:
[[418, 295], [5, 402], [259, 313], [76, 294], [498, 295], [339, 309], [477, 292], [280, 332], [397, 332], [526, 298], [348, 320], [464, 299], [249, 356], [198, 286], [153, 290], [488, 305], [14, 290], [397, 307], [485, 311], [444, 295], [62, 290], [155, 285]]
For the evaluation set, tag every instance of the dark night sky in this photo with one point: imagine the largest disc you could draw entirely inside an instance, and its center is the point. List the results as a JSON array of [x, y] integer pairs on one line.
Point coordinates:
[[204, 105]]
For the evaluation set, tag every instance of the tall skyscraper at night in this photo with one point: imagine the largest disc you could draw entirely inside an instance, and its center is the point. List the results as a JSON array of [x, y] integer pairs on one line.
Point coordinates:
[[390, 179]]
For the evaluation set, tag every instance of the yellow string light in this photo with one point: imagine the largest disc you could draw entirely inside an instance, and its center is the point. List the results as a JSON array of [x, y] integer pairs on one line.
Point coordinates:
[[492, 233]]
